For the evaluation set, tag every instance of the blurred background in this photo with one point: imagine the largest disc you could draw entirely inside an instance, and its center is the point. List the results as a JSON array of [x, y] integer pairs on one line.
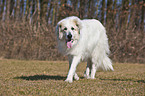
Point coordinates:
[[27, 27]]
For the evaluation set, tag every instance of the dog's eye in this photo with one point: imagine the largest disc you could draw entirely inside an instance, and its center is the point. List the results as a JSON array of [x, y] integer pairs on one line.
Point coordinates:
[[72, 28], [65, 28]]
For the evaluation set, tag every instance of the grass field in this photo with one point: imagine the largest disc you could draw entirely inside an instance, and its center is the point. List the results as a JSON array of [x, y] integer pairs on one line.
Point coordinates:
[[46, 78]]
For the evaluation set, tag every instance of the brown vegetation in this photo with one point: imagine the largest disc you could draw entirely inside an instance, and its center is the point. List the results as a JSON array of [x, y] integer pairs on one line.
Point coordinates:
[[27, 27], [46, 78]]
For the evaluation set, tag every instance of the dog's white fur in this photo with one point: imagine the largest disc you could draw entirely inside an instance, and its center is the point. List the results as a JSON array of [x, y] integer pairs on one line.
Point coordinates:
[[90, 43]]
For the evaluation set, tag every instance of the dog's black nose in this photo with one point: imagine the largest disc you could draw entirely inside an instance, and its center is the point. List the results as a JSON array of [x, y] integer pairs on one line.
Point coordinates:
[[69, 36]]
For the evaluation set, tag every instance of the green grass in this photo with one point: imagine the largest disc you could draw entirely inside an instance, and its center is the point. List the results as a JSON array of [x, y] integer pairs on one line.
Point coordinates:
[[46, 78]]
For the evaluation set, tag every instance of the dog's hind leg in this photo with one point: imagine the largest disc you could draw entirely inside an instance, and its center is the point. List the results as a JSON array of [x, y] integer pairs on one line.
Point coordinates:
[[88, 69], [93, 71]]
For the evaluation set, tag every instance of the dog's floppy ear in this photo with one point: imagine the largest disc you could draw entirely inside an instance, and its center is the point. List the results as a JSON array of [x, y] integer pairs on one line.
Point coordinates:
[[58, 31], [78, 23], [59, 27]]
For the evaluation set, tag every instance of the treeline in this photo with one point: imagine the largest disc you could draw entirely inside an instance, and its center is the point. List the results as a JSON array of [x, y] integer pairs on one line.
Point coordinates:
[[27, 27]]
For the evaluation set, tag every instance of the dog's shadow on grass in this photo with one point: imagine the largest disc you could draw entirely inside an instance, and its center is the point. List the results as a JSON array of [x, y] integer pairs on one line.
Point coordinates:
[[41, 77], [139, 81]]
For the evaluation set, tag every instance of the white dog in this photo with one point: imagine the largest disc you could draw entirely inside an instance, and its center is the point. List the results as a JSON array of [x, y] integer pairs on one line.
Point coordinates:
[[83, 40]]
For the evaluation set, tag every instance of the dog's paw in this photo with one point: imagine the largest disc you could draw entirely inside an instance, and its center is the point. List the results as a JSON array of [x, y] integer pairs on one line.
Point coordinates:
[[86, 76], [69, 81], [76, 77]]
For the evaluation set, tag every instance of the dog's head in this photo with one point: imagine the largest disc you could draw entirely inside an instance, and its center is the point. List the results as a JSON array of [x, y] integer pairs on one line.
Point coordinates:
[[68, 30]]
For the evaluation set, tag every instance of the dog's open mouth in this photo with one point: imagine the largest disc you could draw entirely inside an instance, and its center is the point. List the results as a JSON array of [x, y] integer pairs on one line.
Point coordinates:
[[69, 43]]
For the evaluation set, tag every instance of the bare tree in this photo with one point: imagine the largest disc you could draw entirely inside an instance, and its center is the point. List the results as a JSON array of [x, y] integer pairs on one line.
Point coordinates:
[[54, 12], [97, 9], [109, 10], [2, 8], [38, 10], [12, 8], [21, 9], [102, 11], [27, 9], [43, 11], [75, 4], [125, 12], [82, 8], [17, 16], [91, 8], [8, 3], [50, 8]]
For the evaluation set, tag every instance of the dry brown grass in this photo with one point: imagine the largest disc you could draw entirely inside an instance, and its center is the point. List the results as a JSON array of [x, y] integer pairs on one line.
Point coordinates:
[[45, 78]]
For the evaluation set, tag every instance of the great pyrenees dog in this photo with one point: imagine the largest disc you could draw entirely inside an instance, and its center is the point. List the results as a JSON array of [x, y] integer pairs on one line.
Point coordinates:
[[83, 40]]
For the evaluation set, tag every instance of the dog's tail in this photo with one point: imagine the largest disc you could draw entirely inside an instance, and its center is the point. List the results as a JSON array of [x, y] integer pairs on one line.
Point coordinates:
[[107, 64]]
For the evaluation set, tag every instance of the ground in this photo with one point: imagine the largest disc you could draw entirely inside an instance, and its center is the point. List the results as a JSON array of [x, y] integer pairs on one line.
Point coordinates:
[[46, 78]]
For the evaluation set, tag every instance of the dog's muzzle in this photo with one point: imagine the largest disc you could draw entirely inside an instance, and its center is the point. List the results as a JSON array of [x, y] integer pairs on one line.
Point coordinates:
[[69, 37], [69, 40]]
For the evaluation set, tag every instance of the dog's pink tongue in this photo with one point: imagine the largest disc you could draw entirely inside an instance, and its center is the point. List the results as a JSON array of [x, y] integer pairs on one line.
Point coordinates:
[[69, 44]]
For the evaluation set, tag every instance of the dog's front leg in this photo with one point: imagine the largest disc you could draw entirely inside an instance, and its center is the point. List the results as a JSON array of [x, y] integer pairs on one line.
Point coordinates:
[[75, 61], [70, 58]]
